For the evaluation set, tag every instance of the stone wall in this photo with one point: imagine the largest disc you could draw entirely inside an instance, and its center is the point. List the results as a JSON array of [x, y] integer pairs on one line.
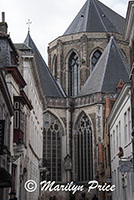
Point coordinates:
[[84, 44]]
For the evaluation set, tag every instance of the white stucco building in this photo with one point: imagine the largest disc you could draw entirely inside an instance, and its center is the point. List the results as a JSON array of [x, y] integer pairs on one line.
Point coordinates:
[[120, 136], [33, 122]]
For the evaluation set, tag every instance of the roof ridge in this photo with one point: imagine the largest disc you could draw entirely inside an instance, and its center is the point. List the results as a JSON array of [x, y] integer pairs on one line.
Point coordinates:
[[90, 19], [110, 68], [109, 48], [121, 55], [105, 14], [42, 65], [94, 2], [47, 68], [86, 21]]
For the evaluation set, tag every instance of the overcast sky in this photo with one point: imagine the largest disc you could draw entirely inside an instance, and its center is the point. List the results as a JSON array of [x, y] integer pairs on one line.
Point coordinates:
[[50, 18]]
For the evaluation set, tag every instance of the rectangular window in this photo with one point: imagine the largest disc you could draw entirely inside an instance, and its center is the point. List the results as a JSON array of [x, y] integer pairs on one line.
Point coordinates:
[[118, 177], [14, 170], [109, 157], [117, 139], [119, 133], [16, 119], [113, 143], [19, 121], [16, 105], [129, 124], [106, 156], [125, 129], [22, 122]]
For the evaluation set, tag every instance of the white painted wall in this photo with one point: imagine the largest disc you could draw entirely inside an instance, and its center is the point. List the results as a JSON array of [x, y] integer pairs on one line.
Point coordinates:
[[35, 126], [120, 136]]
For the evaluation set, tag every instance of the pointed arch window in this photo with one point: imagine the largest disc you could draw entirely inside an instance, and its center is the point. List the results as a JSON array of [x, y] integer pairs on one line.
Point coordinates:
[[95, 57], [52, 147], [83, 149], [73, 74], [55, 67]]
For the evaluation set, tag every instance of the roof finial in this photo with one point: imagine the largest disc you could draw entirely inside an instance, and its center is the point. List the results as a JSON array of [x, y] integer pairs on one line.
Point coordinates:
[[29, 23]]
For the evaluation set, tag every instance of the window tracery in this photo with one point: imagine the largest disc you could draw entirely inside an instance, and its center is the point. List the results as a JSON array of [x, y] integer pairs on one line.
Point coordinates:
[[95, 57], [52, 146], [83, 149], [73, 74]]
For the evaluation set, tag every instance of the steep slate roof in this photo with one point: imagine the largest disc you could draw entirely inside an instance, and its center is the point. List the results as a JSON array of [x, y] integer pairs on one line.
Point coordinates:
[[109, 70], [96, 17], [49, 85], [22, 46]]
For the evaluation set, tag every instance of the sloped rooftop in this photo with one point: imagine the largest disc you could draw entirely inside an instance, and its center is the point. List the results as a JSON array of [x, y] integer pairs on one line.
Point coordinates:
[[49, 85], [109, 70], [96, 17]]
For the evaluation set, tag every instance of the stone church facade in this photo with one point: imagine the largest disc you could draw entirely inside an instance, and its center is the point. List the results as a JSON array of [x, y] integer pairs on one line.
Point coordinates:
[[87, 65]]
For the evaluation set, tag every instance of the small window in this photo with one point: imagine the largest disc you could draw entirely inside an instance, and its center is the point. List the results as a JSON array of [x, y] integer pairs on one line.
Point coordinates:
[[95, 57], [16, 105], [16, 119], [55, 67]]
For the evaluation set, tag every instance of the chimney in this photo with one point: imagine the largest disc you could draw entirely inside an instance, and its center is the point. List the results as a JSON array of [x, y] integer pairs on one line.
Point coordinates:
[[3, 24], [120, 86]]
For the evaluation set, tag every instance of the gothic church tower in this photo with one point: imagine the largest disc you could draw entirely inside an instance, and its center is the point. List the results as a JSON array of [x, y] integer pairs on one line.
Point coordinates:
[[85, 67], [73, 56]]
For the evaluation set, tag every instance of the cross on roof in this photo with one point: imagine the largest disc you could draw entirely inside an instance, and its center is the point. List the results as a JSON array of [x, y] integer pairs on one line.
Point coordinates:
[[29, 23]]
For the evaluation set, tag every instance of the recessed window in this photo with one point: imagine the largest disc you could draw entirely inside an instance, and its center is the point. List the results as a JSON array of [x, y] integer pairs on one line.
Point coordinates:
[[95, 57], [52, 143], [19, 121], [55, 67], [83, 149], [73, 74]]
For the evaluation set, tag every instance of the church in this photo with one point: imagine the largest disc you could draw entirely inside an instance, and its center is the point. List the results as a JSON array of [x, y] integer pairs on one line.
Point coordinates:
[[87, 66]]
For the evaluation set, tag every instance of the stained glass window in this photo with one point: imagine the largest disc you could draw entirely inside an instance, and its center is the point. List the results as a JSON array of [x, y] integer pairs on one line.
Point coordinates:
[[52, 146], [95, 57], [73, 75], [83, 149], [55, 67]]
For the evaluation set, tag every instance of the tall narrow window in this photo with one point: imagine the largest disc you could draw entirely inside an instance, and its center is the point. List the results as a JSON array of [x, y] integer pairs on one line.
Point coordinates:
[[83, 149], [95, 57], [114, 143], [129, 124], [73, 75], [55, 67], [19, 122], [117, 137], [125, 128], [52, 146]]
